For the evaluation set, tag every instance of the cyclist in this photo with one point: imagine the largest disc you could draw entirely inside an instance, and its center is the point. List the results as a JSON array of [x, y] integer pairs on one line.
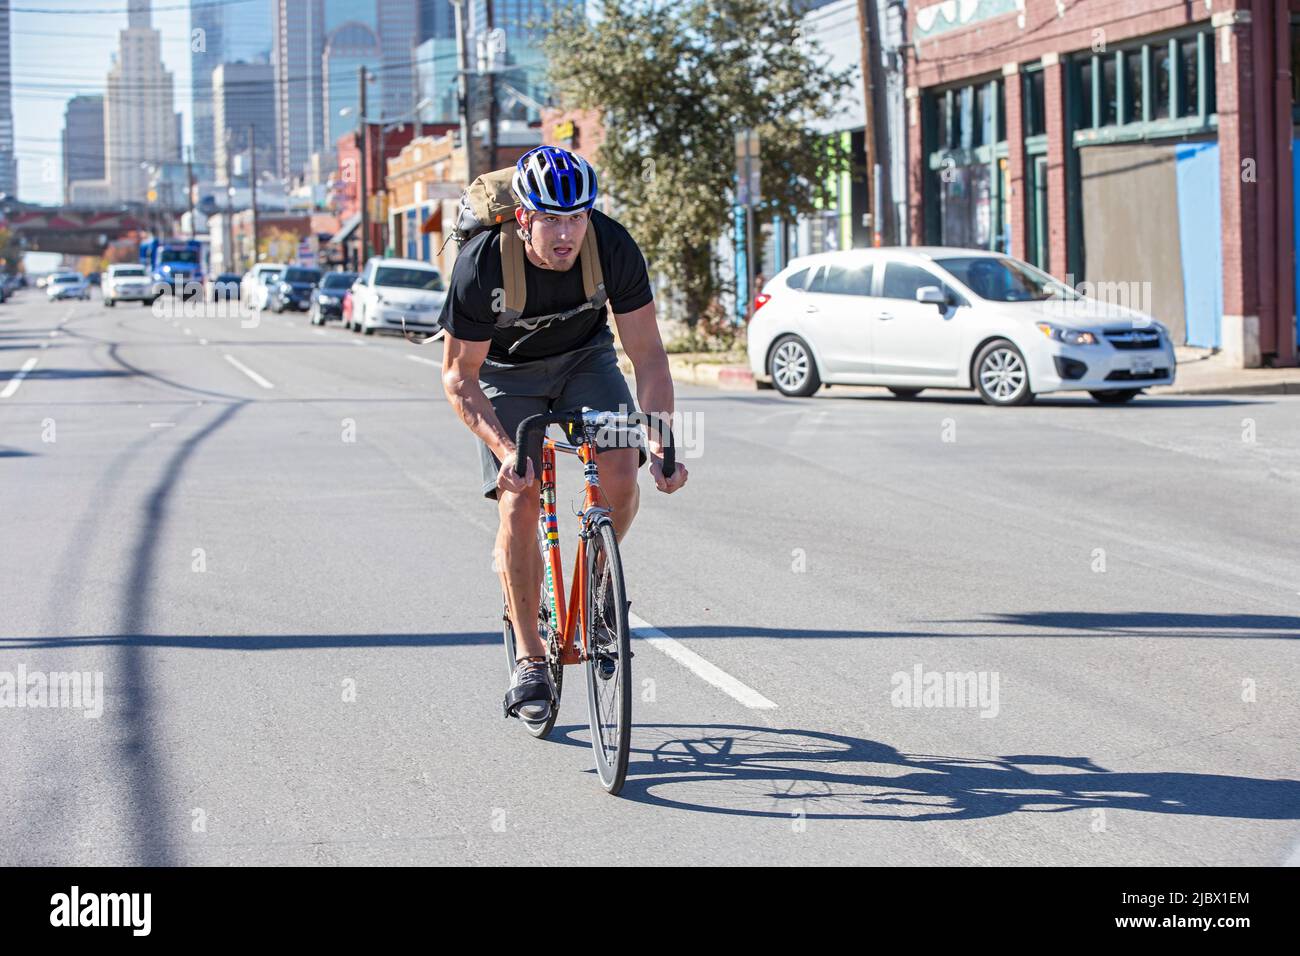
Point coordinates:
[[497, 373]]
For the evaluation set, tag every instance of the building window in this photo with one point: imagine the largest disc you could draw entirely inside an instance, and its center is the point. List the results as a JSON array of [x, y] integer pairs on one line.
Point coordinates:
[[1162, 77], [1168, 82], [1132, 87], [1035, 103], [1087, 119], [966, 153]]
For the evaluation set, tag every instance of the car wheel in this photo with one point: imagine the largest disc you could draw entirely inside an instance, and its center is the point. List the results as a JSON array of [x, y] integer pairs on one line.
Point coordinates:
[[368, 330], [1116, 396], [1001, 375], [791, 365], [907, 392]]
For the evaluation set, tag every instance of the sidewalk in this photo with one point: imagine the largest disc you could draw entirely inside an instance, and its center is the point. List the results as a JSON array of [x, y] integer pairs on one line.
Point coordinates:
[[1200, 372], [1203, 372]]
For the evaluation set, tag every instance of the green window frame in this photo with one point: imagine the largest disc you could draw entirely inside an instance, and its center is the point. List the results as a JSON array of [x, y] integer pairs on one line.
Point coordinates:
[[1187, 106]]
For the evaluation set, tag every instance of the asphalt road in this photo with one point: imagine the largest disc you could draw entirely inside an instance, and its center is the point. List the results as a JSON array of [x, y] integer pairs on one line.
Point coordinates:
[[270, 543]]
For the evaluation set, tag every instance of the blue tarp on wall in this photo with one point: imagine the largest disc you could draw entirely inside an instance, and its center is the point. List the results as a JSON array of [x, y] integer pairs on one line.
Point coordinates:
[[1200, 235]]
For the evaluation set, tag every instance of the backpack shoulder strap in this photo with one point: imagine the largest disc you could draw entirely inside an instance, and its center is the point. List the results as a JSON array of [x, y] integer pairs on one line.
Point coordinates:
[[512, 273], [593, 277]]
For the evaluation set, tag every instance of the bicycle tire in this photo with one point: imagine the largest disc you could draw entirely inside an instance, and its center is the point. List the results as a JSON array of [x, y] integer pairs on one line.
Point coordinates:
[[609, 695]]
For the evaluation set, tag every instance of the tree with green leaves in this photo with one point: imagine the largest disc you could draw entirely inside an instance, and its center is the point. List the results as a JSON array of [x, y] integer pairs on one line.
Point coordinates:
[[674, 81]]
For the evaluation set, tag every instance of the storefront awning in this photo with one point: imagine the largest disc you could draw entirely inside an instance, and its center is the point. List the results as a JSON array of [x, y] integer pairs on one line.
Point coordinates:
[[349, 227], [434, 222]]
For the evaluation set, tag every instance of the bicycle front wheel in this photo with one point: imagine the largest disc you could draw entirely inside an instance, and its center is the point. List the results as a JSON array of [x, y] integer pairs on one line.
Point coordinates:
[[609, 659]]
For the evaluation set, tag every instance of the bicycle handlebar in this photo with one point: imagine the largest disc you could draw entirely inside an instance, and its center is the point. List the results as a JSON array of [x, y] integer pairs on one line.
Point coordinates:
[[533, 427]]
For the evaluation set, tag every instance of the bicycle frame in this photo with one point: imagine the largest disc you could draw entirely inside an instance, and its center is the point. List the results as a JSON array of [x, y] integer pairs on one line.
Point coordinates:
[[566, 617]]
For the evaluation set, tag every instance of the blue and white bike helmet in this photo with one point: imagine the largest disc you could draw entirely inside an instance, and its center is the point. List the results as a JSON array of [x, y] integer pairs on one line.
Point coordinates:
[[552, 179]]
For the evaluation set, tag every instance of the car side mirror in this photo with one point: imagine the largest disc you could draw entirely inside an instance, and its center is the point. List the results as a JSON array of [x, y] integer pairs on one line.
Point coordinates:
[[932, 295]]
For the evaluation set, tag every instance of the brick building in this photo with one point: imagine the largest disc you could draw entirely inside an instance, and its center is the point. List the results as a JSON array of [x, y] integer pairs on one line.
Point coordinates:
[[1139, 146], [382, 143]]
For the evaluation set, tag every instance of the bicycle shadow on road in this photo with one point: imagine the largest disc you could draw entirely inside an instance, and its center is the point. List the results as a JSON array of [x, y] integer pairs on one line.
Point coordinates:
[[789, 773]]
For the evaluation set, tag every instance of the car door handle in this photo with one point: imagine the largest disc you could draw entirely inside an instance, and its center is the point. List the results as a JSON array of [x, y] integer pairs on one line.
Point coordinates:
[[811, 308], [885, 316]]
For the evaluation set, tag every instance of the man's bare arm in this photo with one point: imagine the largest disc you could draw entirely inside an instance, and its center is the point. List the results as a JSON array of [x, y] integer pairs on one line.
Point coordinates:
[[461, 361], [638, 331]]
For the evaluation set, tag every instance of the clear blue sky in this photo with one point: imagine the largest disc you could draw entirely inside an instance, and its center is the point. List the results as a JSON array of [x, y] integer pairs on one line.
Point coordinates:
[[57, 55]]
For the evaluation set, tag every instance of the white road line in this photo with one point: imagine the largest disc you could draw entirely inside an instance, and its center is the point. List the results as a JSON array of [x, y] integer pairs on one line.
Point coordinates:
[[697, 665], [356, 342], [203, 341], [18, 377], [188, 332], [317, 332], [416, 358], [1294, 858], [162, 424], [247, 371]]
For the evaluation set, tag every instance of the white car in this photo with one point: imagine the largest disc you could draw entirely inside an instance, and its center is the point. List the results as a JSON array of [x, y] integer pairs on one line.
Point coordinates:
[[67, 285], [912, 318], [126, 283], [254, 288], [389, 291]]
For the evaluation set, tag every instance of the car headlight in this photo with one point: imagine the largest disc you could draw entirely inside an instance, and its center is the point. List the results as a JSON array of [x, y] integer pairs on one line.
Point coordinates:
[[1067, 336]]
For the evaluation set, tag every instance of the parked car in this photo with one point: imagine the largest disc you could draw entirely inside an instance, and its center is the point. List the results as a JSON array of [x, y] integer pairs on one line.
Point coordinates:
[[327, 298], [67, 285], [294, 289], [915, 318], [223, 287], [252, 287], [392, 290], [127, 283]]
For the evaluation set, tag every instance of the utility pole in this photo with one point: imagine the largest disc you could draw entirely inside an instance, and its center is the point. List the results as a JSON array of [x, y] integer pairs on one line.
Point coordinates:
[[868, 63], [229, 237], [462, 84], [362, 198], [189, 179], [252, 183], [492, 89]]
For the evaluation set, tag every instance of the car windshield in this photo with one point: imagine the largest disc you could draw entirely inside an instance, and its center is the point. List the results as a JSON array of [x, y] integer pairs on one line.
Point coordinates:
[[302, 275], [267, 277], [64, 280], [407, 278], [129, 272], [1000, 279], [179, 255], [339, 280]]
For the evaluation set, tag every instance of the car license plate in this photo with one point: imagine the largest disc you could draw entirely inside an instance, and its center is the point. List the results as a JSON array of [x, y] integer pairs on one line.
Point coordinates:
[[1142, 365]]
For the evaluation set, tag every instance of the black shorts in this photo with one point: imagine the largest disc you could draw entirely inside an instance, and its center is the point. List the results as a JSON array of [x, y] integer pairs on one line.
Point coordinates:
[[588, 377]]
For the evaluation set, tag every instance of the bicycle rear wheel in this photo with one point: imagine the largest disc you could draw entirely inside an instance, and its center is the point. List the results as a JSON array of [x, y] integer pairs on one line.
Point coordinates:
[[609, 661], [538, 728]]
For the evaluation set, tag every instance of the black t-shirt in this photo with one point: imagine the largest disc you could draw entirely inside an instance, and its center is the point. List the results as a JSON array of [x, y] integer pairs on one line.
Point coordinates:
[[467, 312]]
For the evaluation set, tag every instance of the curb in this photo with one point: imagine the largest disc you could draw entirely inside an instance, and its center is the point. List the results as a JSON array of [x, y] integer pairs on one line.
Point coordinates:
[[711, 374]]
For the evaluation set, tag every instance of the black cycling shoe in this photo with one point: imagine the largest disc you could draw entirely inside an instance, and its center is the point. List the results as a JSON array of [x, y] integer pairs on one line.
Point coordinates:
[[531, 692]]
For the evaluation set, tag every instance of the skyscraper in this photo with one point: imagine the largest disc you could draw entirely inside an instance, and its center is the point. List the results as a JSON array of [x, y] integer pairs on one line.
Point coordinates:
[[83, 141], [139, 121], [242, 96], [222, 33], [8, 160], [297, 46]]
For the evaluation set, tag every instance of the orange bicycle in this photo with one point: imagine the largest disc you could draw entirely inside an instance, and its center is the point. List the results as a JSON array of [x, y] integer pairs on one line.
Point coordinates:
[[591, 627]]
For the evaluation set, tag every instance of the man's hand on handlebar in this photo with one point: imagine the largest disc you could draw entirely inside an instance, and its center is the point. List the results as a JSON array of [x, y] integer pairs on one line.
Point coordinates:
[[667, 485], [507, 480]]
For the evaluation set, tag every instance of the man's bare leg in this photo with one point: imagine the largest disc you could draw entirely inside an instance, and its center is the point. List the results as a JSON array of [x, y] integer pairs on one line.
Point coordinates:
[[520, 563]]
